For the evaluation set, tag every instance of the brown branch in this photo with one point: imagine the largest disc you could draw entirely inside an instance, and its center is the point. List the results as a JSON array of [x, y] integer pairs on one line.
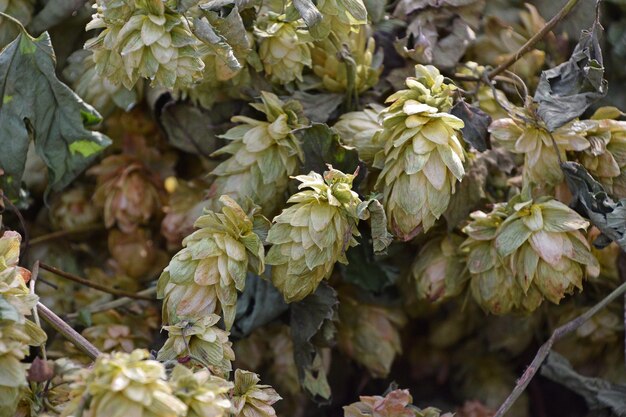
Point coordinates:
[[544, 350], [62, 233], [92, 284], [565, 10], [119, 302], [68, 332]]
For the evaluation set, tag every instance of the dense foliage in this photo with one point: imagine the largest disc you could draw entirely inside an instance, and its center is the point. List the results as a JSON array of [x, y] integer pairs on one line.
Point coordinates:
[[251, 208]]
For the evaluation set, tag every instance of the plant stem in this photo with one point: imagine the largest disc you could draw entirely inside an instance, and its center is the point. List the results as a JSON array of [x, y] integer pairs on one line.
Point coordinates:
[[68, 332], [33, 280], [120, 302], [62, 233], [94, 285], [565, 10], [18, 213], [544, 350]]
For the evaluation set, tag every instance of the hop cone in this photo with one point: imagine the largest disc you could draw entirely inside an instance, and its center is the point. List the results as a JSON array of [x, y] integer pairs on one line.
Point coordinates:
[[605, 158], [340, 17], [98, 91], [143, 39], [525, 134], [128, 191], [422, 158], [438, 270], [201, 339], [124, 385], [361, 129], [72, 209], [206, 274], [249, 398], [369, 333], [314, 233], [336, 72], [284, 48], [264, 154], [22, 10], [204, 395], [184, 206], [397, 403], [492, 281]]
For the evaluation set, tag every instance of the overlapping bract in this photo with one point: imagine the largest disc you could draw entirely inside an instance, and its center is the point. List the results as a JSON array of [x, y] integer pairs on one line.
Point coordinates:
[[361, 130], [206, 274], [144, 39], [423, 157], [264, 154], [124, 385], [203, 394], [309, 237], [250, 398]]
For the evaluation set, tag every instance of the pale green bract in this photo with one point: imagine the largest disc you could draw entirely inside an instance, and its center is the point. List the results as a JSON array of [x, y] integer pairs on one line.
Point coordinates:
[[251, 398], [309, 237], [360, 129], [203, 394]]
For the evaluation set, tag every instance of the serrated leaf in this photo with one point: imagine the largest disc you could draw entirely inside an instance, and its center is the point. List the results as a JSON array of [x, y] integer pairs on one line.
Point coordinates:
[[36, 105], [308, 317], [308, 11], [566, 91], [259, 304], [476, 121], [218, 44]]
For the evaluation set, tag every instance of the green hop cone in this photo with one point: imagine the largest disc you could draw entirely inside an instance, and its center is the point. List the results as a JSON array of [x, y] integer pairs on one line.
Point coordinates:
[[546, 248], [264, 153], [206, 274], [249, 398], [422, 158], [21, 10], [13, 348], [357, 72], [201, 341], [524, 133], [369, 333], [340, 17], [98, 91], [144, 39], [205, 395], [284, 48], [361, 129], [438, 269], [492, 281], [123, 385], [310, 236]]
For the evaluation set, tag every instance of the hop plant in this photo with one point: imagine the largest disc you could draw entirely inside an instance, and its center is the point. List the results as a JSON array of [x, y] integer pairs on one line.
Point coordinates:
[[361, 129], [438, 270], [203, 394], [524, 133], [128, 191], [206, 274], [100, 92], [249, 398], [309, 237], [422, 158], [144, 39], [284, 48], [21, 10], [396, 403], [264, 154], [369, 333], [201, 341], [351, 67], [124, 385]]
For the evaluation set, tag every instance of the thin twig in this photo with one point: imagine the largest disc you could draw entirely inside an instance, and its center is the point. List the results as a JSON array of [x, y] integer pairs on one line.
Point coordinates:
[[565, 10], [120, 302], [92, 284], [18, 213], [62, 233], [68, 332], [33, 280], [544, 350]]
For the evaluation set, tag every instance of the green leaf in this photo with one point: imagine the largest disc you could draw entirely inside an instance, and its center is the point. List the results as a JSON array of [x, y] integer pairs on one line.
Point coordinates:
[[599, 394], [368, 271], [218, 43], [566, 91], [321, 146], [309, 317], [259, 304], [189, 128], [476, 124], [308, 11], [37, 105], [318, 107]]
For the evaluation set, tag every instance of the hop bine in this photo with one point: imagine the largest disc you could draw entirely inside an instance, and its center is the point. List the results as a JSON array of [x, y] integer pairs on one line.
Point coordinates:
[[422, 158], [206, 274], [309, 237], [264, 153]]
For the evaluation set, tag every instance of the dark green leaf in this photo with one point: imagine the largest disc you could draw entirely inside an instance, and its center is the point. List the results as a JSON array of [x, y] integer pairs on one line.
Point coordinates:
[[476, 124], [215, 40], [189, 128], [308, 317], [566, 91], [53, 13], [35, 104], [259, 304], [308, 11], [599, 394], [366, 270], [318, 107]]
